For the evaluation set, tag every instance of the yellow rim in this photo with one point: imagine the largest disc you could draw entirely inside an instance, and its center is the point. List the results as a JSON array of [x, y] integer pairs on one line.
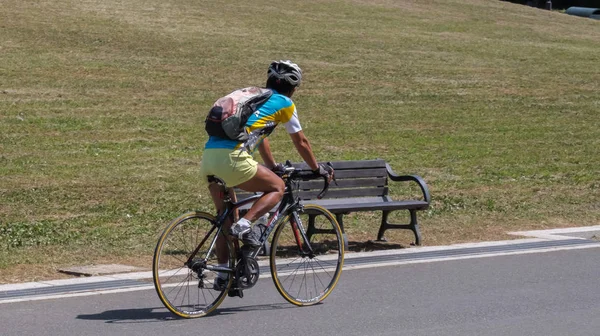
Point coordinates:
[[336, 278], [156, 261]]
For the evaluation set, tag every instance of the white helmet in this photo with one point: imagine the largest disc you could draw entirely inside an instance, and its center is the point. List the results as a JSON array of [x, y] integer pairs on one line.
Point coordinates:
[[286, 70]]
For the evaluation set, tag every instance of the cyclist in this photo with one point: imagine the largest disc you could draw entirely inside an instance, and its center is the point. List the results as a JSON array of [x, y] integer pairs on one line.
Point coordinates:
[[232, 161]]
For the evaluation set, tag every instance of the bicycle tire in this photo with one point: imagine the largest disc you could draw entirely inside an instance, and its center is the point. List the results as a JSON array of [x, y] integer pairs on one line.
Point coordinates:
[[183, 291], [301, 279]]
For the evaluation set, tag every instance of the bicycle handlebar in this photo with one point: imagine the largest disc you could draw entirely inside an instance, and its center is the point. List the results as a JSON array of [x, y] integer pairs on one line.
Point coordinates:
[[289, 169]]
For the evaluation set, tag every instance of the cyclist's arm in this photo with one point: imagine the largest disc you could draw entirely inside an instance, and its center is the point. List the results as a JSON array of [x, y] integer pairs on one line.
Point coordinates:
[[304, 149], [264, 148]]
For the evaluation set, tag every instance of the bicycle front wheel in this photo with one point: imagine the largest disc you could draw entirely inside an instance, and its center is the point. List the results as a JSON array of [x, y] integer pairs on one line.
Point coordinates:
[[185, 285], [307, 255]]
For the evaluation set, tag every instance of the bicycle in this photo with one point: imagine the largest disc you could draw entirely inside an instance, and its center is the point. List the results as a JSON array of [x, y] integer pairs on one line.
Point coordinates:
[[305, 265]]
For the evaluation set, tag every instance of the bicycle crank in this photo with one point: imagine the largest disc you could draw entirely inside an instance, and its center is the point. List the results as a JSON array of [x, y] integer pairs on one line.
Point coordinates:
[[247, 273]]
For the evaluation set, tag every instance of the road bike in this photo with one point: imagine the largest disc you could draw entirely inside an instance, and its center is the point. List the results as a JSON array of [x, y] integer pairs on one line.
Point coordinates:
[[305, 263]]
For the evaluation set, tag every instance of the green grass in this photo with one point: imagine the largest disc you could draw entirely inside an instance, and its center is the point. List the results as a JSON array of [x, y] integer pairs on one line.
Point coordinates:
[[102, 106]]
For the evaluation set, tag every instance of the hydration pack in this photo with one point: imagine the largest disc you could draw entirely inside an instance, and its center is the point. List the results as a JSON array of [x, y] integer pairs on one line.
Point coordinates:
[[228, 116]]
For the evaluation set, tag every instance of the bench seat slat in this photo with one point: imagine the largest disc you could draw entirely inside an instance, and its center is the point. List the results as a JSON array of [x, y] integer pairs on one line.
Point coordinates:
[[350, 183], [368, 204], [358, 173], [339, 193], [350, 188], [362, 204]]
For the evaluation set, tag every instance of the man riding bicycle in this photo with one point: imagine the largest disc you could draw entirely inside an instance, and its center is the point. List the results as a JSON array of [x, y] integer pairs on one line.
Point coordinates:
[[232, 160]]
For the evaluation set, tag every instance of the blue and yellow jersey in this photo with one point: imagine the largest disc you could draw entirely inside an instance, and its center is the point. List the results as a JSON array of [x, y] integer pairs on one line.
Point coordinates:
[[278, 109]]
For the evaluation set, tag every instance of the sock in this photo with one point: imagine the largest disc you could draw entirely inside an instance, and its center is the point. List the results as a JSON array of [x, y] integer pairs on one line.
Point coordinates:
[[244, 223], [222, 275]]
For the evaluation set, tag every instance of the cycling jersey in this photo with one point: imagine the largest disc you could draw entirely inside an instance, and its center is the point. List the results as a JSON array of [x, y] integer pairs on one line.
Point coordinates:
[[278, 109]]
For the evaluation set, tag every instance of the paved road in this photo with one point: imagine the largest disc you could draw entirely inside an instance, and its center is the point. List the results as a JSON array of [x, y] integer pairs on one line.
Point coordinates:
[[552, 293]]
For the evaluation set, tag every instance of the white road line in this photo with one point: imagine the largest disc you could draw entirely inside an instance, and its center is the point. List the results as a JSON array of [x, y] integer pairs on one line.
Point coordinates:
[[474, 256], [70, 295]]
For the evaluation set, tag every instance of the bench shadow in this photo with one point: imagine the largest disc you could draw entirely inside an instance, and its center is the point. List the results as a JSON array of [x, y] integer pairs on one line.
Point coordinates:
[[160, 314], [371, 245]]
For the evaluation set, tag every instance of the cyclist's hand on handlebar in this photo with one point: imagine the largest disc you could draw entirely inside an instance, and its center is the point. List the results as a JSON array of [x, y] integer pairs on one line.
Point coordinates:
[[278, 169], [325, 171]]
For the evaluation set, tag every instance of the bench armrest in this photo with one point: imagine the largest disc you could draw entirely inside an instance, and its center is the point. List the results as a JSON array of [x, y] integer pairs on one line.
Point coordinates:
[[401, 178]]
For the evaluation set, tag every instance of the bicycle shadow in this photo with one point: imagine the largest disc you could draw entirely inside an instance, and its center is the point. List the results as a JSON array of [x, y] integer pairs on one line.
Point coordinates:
[[160, 314], [270, 306], [137, 315]]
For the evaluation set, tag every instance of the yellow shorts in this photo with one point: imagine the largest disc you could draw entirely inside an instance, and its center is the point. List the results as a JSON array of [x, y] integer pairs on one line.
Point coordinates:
[[232, 166]]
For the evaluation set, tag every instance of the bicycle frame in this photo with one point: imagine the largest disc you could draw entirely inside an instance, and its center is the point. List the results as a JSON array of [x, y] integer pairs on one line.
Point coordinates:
[[288, 205]]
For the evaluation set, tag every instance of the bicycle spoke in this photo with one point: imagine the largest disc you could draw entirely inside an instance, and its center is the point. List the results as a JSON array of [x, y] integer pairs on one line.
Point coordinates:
[[323, 269], [178, 291], [304, 279], [180, 260], [316, 277], [186, 292], [293, 275]]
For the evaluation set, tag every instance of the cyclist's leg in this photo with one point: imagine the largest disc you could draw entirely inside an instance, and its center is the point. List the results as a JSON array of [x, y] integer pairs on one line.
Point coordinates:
[[238, 168], [215, 193], [215, 162], [272, 187]]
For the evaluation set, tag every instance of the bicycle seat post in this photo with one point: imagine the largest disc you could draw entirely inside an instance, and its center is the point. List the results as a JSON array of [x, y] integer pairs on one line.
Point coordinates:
[[225, 194]]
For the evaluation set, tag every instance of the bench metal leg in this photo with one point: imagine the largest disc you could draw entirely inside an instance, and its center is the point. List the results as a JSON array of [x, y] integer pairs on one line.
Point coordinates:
[[413, 226], [311, 226], [383, 226], [310, 230], [340, 220]]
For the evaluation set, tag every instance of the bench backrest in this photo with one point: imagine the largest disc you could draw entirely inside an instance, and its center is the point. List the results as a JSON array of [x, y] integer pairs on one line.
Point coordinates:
[[367, 178], [354, 179]]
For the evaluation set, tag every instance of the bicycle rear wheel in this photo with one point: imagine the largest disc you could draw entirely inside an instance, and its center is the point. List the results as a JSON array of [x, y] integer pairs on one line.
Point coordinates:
[[186, 289], [304, 277]]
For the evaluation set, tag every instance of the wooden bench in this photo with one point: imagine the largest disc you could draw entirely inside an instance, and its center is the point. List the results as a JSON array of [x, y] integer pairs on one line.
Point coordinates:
[[364, 186]]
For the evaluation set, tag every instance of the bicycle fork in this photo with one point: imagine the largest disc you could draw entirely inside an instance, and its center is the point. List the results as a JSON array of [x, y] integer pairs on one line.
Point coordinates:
[[300, 236]]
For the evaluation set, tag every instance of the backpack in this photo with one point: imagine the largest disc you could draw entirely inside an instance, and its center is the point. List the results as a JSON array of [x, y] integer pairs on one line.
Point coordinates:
[[228, 116]]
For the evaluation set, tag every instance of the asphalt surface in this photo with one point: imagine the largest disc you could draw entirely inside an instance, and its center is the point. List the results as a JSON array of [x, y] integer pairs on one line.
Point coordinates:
[[551, 293]]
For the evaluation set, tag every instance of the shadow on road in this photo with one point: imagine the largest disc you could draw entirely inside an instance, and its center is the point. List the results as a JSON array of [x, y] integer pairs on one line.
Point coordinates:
[[131, 315], [145, 315], [372, 245], [233, 310]]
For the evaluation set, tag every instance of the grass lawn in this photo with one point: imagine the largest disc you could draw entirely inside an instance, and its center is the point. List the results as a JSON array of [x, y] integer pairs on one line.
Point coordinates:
[[102, 105]]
